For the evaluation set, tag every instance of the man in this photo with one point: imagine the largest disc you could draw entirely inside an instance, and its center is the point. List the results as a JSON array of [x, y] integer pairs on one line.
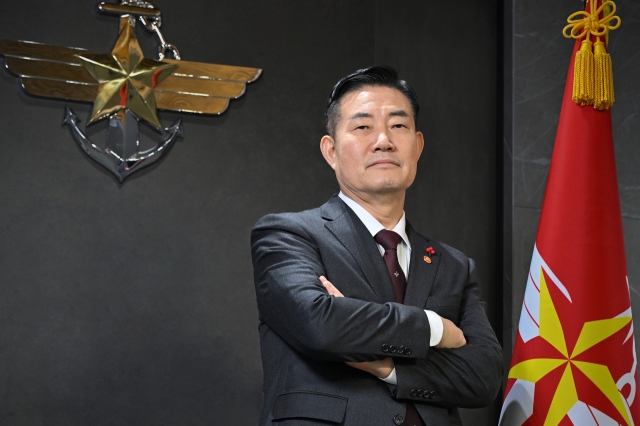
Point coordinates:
[[363, 321]]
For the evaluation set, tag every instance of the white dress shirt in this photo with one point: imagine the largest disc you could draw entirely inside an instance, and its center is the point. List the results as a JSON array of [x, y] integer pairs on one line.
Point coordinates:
[[404, 258]]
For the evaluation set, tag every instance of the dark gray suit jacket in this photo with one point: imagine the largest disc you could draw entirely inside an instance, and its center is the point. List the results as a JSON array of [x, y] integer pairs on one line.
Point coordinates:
[[306, 335]]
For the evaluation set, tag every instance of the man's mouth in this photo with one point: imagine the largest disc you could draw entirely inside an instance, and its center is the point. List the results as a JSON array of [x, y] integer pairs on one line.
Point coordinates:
[[383, 163]]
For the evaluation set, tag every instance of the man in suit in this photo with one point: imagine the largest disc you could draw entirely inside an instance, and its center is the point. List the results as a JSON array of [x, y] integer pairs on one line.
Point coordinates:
[[363, 321]]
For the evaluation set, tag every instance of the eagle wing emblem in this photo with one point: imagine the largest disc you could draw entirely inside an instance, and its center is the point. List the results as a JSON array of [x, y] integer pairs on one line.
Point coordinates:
[[125, 86], [57, 72]]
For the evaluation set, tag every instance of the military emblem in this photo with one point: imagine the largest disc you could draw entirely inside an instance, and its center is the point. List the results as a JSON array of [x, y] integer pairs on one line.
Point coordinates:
[[568, 373], [126, 87]]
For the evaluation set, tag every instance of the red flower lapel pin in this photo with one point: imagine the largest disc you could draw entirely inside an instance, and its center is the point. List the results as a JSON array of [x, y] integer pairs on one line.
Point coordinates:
[[430, 251]]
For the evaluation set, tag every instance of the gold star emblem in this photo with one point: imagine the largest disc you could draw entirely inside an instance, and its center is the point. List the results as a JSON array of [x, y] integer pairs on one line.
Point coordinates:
[[123, 82], [126, 78], [566, 391]]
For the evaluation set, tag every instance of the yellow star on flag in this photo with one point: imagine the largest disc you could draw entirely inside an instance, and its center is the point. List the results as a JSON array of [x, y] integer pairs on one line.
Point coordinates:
[[126, 77], [592, 333]]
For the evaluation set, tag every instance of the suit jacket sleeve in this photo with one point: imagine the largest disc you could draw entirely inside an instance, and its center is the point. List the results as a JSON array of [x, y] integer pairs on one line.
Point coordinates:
[[292, 301], [469, 376]]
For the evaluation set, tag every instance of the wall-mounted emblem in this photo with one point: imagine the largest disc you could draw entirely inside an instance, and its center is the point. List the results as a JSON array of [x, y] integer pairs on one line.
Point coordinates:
[[126, 87]]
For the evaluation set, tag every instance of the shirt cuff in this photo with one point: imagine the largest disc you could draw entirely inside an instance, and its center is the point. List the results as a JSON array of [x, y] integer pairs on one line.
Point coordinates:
[[391, 378], [437, 328], [435, 322]]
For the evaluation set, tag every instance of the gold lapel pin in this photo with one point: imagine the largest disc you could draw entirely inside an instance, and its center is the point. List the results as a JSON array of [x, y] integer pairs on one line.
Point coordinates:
[[427, 259]]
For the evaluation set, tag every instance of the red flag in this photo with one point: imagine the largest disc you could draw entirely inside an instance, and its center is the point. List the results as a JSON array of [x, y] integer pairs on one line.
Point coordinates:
[[574, 360]]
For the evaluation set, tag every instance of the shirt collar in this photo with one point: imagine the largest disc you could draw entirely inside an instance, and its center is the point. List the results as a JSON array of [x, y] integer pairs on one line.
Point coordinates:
[[372, 223]]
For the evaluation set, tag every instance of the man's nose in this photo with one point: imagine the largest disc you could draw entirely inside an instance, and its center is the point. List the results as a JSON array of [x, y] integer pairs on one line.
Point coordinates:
[[383, 142]]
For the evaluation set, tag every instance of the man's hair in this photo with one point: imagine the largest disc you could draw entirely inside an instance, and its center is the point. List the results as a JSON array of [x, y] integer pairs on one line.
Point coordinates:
[[373, 76]]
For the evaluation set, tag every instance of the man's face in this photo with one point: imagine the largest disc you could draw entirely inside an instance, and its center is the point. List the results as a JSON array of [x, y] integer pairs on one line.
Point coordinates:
[[376, 147]]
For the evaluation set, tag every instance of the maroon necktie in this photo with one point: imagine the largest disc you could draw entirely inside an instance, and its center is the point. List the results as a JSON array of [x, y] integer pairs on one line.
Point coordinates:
[[389, 240]]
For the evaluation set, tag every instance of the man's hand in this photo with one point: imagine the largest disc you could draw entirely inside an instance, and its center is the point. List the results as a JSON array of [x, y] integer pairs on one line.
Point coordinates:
[[452, 336], [330, 288], [381, 368]]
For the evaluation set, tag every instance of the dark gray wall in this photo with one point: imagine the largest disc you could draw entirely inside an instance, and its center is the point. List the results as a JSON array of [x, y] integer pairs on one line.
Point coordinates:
[[133, 303], [537, 57]]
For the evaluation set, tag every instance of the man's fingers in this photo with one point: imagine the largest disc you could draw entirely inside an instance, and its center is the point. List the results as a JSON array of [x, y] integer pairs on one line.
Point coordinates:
[[330, 287], [452, 336], [381, 368]]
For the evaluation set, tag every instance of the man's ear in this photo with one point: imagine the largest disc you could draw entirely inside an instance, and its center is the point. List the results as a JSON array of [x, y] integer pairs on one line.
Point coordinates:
[[420, 142], [328, 149]]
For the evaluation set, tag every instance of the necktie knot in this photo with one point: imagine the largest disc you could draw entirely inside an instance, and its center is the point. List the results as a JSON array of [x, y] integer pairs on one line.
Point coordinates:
[[388, 239]]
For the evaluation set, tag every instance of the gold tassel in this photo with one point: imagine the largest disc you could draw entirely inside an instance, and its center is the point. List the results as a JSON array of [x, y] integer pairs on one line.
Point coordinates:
[[593, 75], [583, 73], [603, 96]]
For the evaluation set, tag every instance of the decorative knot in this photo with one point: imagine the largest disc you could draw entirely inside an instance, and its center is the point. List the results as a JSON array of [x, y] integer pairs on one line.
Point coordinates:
[[584, 24], [389, 240], [592, 70]]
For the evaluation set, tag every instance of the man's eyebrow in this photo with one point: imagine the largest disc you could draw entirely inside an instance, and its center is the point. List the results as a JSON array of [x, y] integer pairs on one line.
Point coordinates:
[[399, 113], [360, 115]]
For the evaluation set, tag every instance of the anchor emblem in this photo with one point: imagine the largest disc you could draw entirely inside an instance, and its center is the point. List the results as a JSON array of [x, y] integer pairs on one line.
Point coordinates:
[[126, 87]]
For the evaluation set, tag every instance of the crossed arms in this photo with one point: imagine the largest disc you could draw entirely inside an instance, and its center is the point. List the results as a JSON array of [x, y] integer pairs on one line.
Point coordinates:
[[318, 323], [452, 337]]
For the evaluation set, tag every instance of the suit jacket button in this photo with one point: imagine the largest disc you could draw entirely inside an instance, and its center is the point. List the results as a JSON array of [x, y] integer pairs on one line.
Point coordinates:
[[419, 392], [407, 351], [398, 419], [401, 350], [414, 392], [432, 394], [385, 348], [393, 349]]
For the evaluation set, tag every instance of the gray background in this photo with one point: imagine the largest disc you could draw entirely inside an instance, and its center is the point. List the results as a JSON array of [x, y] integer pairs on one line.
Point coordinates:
[[133, 303]]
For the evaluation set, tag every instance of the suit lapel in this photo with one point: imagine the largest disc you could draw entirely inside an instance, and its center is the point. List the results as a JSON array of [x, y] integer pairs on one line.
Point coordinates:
[[347, 228], [421, 274]]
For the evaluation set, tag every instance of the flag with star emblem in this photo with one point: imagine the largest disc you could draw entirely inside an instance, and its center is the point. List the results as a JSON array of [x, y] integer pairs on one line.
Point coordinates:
[[574, 360]]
